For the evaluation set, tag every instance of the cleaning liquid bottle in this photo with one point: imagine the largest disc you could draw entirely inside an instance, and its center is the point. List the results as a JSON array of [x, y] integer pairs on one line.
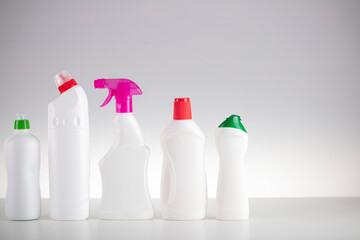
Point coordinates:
[[22, 157], [183, 181], [68, 123], [125, 193], [231, 141]]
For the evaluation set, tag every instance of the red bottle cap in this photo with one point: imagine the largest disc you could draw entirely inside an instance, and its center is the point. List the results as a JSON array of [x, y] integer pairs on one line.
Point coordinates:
[[66, 86], [182, 109], [64, 81]]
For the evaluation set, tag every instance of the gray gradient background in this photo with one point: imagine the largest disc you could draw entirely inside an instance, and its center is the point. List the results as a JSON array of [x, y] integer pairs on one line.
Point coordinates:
[[289, 68]]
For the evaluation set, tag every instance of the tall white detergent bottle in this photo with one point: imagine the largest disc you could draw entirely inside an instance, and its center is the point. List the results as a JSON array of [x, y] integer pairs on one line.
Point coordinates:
[[68, 123], [22, 157], [125, 193], [183, 180], [231, 141]]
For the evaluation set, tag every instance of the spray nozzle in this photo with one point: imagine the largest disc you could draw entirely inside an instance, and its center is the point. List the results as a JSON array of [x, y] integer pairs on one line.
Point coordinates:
[[122, 89]]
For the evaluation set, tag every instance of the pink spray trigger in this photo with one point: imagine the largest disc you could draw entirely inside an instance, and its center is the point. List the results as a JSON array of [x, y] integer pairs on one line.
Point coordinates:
[[109, 97], [122, 89]]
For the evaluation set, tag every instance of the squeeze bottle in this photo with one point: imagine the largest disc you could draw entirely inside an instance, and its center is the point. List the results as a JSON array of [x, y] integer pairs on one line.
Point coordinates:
[[183, 180], [22, 157], [68, 123], [231, 141], [125, 193]]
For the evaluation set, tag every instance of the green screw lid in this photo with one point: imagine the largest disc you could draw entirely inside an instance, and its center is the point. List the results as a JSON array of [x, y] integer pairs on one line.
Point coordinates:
[[234, 121], [21, 123]]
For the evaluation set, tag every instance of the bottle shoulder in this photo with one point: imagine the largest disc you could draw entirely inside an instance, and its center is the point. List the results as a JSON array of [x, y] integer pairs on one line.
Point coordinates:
[[182, 127], [125, 118], [230, 142], [128, 131], [228, 131], [71, 96], [22, 139], [69, 110]]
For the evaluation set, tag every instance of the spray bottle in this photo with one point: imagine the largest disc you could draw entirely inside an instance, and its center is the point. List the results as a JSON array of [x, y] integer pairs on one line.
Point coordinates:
[[125, 193]]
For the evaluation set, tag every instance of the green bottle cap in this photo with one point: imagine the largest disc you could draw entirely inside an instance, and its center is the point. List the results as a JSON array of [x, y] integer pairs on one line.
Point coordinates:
[[21, 123], [234, 121]]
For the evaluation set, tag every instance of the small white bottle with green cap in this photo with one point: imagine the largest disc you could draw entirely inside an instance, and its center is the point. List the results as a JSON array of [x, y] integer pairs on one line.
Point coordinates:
[[22, 159], [231, 142]]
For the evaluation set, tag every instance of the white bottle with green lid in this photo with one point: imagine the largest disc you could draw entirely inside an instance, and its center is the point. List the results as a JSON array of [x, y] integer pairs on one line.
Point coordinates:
[[22, 158], [231, 142]]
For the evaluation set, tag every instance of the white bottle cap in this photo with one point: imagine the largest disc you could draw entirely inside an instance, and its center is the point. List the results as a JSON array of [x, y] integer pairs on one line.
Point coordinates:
[[21, 116]]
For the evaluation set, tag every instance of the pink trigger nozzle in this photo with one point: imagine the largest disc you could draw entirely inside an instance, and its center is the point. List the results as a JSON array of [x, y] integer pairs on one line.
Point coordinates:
[[122, 89], [99, 83], [107, 100]]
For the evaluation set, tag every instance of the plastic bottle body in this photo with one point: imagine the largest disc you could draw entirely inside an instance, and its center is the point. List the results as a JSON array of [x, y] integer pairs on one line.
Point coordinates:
[[232, 201], [183, 181], [125, 193], [69, 155], [22, 157]]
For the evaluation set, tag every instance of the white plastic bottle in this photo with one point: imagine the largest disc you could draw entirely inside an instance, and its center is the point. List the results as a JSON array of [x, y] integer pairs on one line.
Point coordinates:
[[22, 157], [69, 151], [125, 193], [183, 180], [231, 141]]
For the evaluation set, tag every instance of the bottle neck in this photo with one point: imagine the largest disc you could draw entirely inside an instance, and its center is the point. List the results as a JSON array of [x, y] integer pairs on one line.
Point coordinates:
[[122, 120], [123, 103], [127, 129], [21, 131]]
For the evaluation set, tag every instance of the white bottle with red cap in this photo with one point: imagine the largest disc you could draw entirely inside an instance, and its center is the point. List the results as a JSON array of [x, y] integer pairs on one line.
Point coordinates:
[[68, 124], [183, 180]]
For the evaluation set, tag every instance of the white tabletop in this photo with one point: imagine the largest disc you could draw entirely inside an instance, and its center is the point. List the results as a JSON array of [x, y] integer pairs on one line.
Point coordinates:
[[281, 218]]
